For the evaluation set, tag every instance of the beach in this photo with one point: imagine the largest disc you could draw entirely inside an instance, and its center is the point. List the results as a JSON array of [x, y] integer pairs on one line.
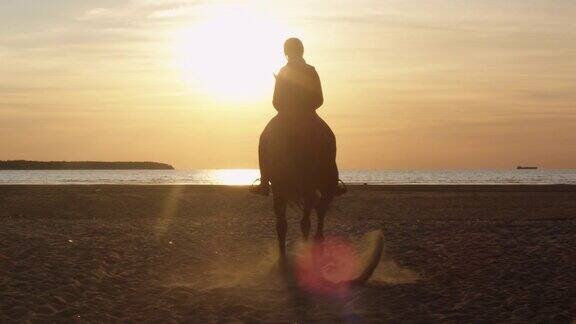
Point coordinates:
[[202, 254]]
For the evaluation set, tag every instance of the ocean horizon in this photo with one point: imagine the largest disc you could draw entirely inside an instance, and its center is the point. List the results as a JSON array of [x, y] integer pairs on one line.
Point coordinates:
[[247, 176]]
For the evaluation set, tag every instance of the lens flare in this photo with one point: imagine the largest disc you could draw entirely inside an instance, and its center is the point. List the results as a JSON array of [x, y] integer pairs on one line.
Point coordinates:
[[326, 268]]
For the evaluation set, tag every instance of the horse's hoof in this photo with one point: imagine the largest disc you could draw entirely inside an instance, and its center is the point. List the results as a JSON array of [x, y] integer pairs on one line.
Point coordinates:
[[280, 267]]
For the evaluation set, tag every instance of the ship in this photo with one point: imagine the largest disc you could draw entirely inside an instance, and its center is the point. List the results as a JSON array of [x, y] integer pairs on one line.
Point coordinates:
[[526, 167]]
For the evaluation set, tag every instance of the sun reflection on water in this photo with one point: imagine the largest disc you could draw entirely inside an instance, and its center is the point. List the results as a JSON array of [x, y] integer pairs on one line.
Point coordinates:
[[235, 176]]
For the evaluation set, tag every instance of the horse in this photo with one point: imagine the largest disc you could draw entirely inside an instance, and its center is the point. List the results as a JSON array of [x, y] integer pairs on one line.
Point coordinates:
[[300, 154]]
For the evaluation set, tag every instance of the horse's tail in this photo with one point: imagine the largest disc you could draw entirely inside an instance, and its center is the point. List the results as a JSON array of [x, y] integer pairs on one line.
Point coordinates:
[[294, 179]]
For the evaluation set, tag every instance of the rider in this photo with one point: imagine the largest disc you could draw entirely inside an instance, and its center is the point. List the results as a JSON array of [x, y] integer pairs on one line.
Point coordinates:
[[297, 92]]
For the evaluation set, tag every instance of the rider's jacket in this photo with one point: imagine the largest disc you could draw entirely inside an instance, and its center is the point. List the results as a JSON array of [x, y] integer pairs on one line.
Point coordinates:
[[298, 89]]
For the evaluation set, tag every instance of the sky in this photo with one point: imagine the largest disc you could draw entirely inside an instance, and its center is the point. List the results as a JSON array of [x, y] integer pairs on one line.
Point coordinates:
[[408, 84]]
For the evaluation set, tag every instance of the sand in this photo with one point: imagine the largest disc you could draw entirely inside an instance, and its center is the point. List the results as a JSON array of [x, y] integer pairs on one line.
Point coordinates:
[[207, 254]]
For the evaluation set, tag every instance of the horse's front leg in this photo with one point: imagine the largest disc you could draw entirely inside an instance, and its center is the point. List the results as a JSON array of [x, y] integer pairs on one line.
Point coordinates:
[[321, 210], [281, 224], [305, 222]]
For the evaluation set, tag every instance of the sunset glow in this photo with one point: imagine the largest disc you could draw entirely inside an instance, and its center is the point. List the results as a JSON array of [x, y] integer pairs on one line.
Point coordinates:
[[231, 53], [407, 84]]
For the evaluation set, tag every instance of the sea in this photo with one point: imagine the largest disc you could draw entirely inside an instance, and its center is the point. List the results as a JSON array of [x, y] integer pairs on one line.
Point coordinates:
[[247, 176]]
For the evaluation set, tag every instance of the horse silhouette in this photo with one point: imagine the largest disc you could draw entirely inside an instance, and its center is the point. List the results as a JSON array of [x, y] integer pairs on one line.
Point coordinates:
[[299, 154]]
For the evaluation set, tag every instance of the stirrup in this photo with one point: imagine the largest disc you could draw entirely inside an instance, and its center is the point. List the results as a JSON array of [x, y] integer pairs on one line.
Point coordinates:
[[260, 189], [341, 188]]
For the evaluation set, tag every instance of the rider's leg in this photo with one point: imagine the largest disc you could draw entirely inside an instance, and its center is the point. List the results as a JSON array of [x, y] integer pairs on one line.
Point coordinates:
[[340, 190], [332, 176], [264, 187]]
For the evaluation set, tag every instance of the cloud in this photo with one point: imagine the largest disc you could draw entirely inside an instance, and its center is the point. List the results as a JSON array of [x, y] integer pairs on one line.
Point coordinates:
[[105, 13], [168, 13], [139, 9], [156, 3], [6, 89]]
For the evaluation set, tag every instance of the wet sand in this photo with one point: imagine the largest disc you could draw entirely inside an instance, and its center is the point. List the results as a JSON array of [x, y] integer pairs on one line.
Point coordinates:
[[207, 254]]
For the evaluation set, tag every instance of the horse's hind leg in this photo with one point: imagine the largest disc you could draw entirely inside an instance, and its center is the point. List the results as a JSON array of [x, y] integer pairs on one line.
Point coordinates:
[[281, 224], [305, 221], [321, 210]]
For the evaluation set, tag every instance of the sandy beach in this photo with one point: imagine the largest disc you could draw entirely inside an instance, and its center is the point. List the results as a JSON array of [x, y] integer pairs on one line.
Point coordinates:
[[207, 254]]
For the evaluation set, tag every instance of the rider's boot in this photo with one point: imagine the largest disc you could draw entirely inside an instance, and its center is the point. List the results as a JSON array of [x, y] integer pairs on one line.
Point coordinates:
[[340, 188]]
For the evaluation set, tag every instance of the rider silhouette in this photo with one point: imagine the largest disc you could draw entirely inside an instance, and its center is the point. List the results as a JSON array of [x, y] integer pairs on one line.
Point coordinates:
[[298, 89], [297, 95]]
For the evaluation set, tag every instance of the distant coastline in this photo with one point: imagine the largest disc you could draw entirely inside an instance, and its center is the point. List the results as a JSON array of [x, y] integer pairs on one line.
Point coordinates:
[[82, 165]]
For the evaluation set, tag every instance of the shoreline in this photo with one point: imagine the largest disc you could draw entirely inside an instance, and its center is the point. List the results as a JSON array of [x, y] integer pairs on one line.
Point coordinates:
[[369, 187]]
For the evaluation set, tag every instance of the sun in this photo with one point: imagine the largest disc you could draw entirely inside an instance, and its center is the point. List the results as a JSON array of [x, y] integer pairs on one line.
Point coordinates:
[[231, 53]]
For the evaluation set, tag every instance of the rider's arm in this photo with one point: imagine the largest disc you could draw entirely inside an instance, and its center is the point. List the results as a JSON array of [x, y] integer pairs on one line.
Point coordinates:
[[317, 96], [278, 100]]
